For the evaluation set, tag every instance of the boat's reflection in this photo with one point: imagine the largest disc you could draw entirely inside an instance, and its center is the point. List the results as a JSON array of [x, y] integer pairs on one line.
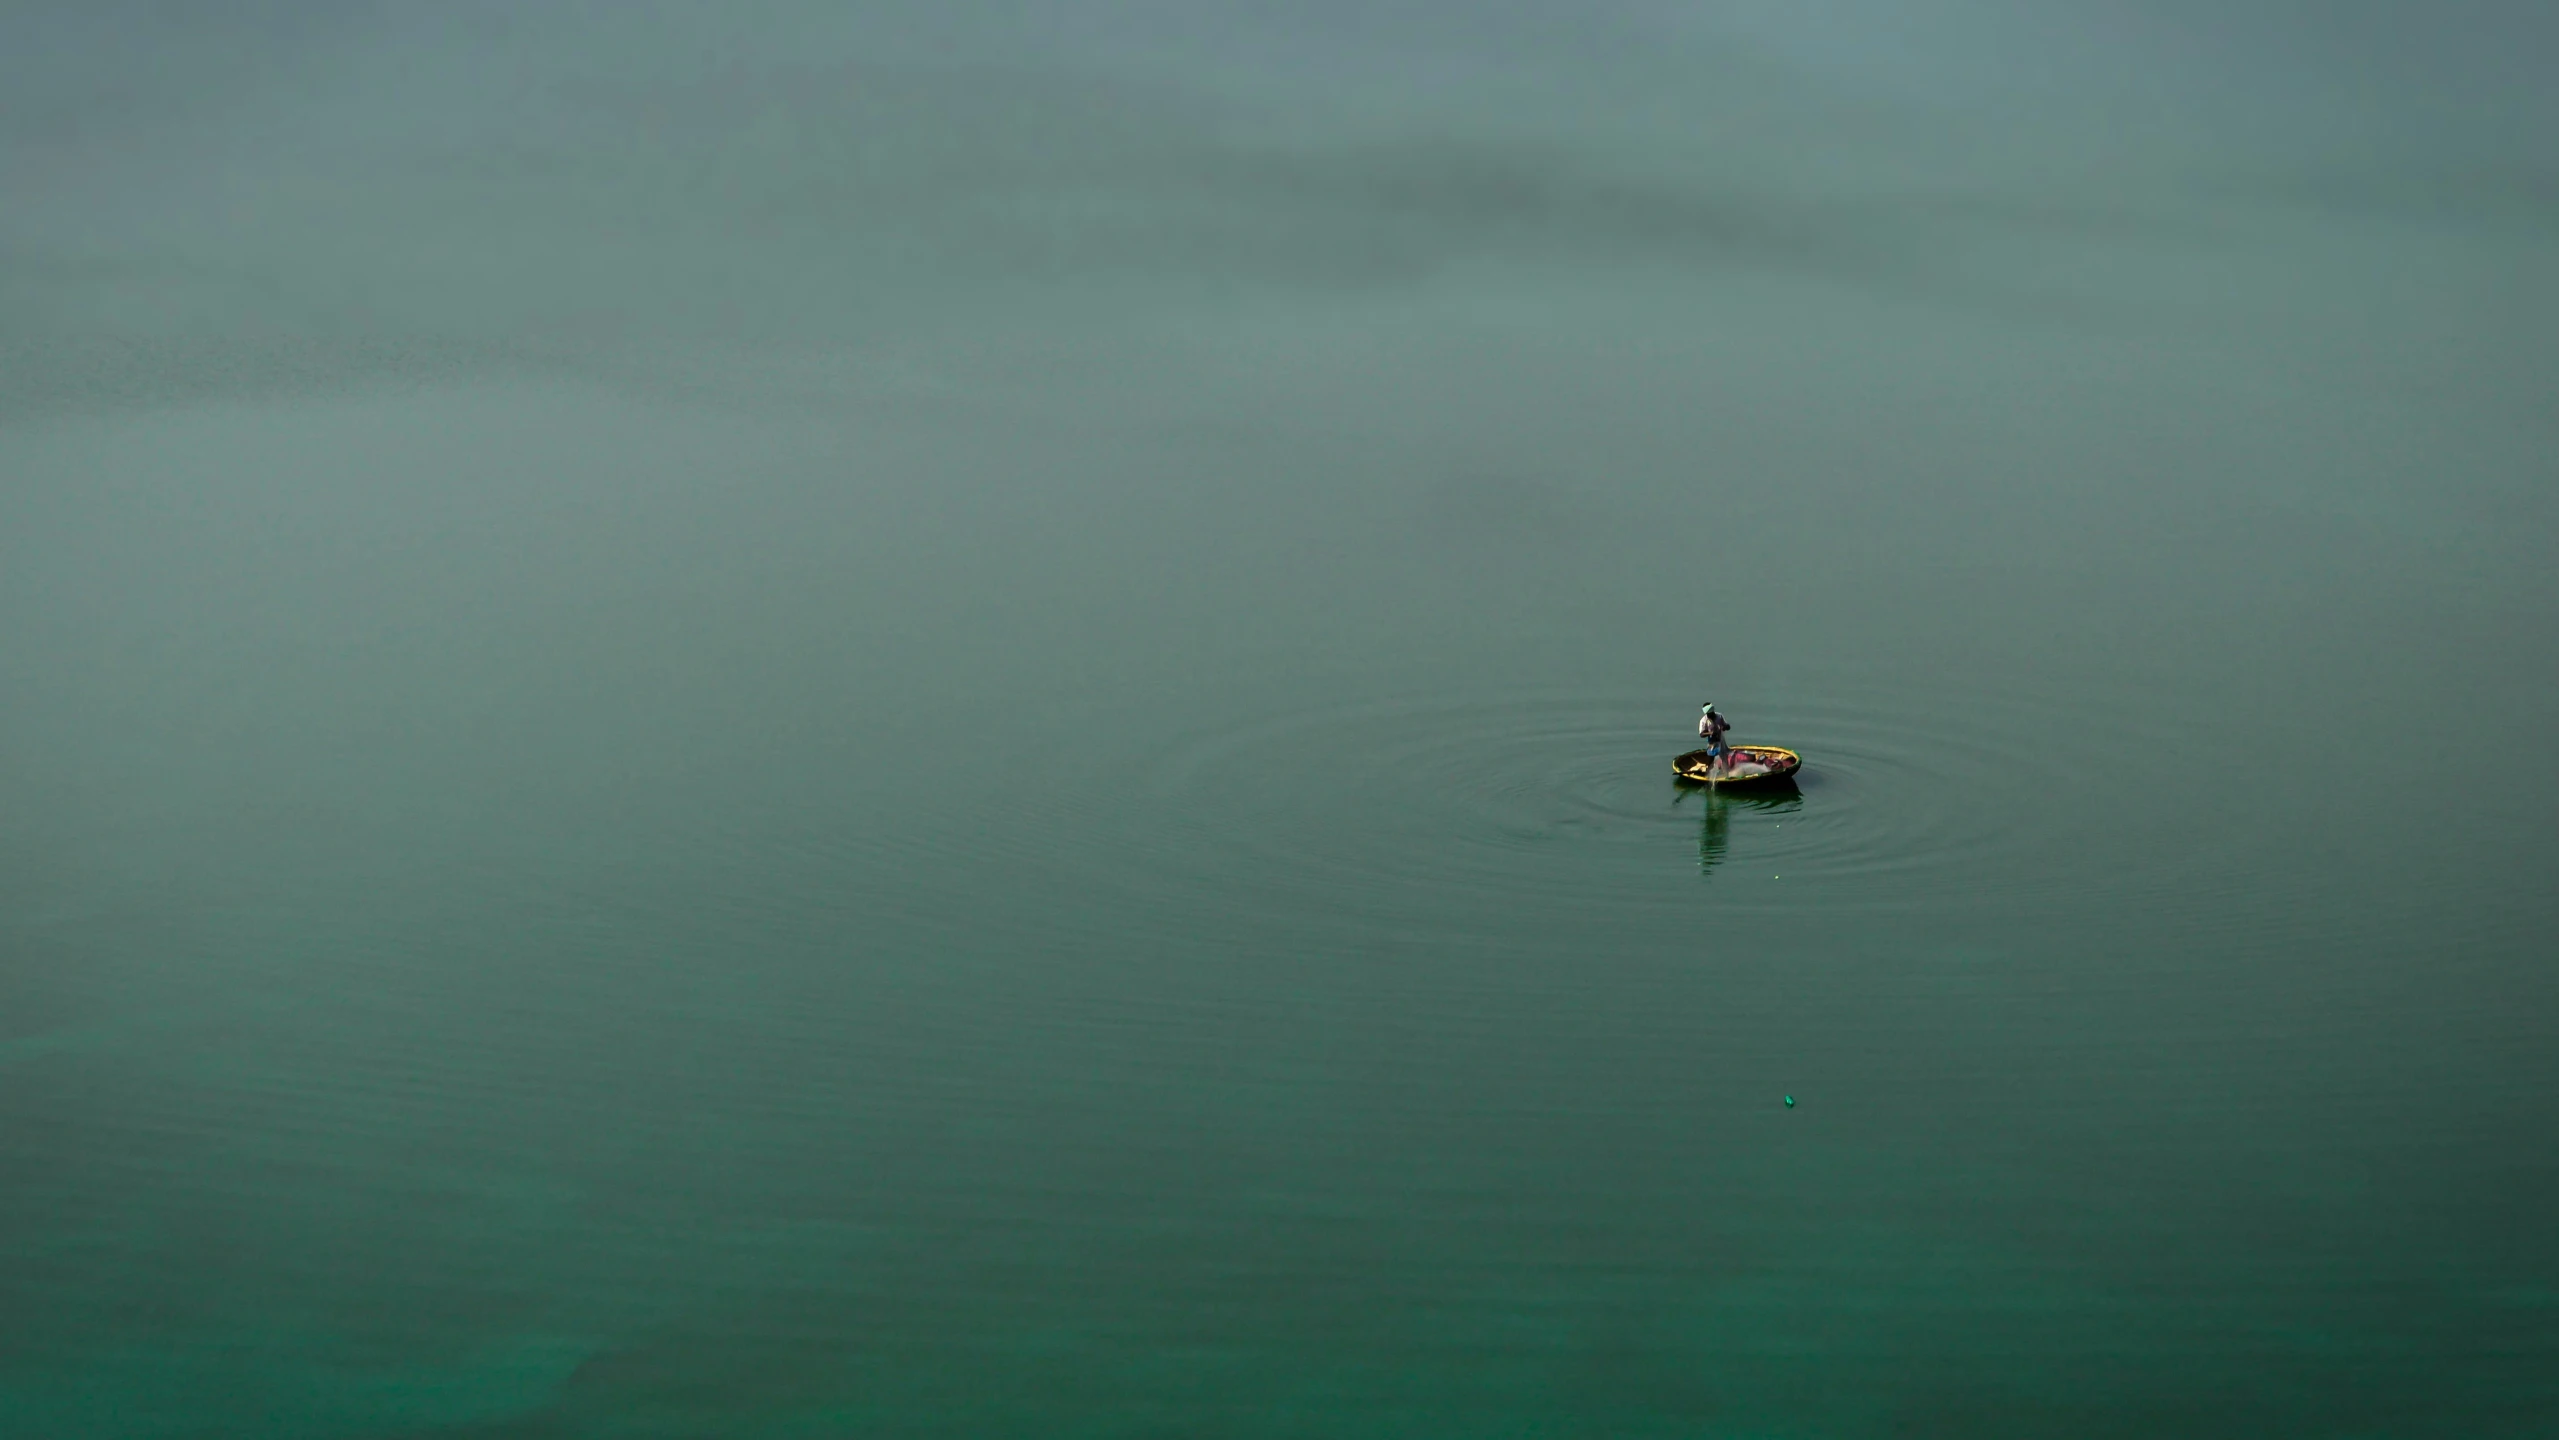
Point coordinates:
[[1714, 830]]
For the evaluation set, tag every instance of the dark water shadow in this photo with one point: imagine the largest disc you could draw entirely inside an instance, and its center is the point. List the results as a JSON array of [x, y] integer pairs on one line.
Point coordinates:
[[1718, 809]]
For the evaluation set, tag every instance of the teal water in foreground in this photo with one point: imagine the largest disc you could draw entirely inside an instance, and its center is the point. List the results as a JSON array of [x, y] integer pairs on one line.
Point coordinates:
[[821, 739]]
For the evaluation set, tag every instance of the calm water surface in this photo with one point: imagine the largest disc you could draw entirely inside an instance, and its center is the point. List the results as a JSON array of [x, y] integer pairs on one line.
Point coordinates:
[[958, 723]]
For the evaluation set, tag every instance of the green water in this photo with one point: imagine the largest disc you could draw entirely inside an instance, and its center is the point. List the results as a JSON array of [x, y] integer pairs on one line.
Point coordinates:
[[960, 725]]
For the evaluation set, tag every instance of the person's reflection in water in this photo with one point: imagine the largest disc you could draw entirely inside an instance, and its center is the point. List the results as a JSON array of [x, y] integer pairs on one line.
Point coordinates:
[[1714, 834], [1715, 826]]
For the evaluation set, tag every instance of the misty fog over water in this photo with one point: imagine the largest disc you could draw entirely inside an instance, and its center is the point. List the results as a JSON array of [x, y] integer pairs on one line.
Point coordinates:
[[896, 719]]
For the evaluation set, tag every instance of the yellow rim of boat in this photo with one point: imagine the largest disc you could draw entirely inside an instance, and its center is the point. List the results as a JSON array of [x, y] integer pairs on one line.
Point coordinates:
[[1794, 762]]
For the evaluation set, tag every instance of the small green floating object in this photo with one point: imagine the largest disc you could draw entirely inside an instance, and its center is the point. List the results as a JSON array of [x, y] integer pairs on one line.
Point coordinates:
[[1790, 1102]]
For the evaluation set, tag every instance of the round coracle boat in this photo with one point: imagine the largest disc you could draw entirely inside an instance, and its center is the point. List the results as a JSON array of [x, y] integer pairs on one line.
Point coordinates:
[[1748, 765]]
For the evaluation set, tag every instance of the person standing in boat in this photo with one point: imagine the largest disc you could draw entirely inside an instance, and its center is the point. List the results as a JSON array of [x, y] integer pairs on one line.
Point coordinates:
[[1711, 728]]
